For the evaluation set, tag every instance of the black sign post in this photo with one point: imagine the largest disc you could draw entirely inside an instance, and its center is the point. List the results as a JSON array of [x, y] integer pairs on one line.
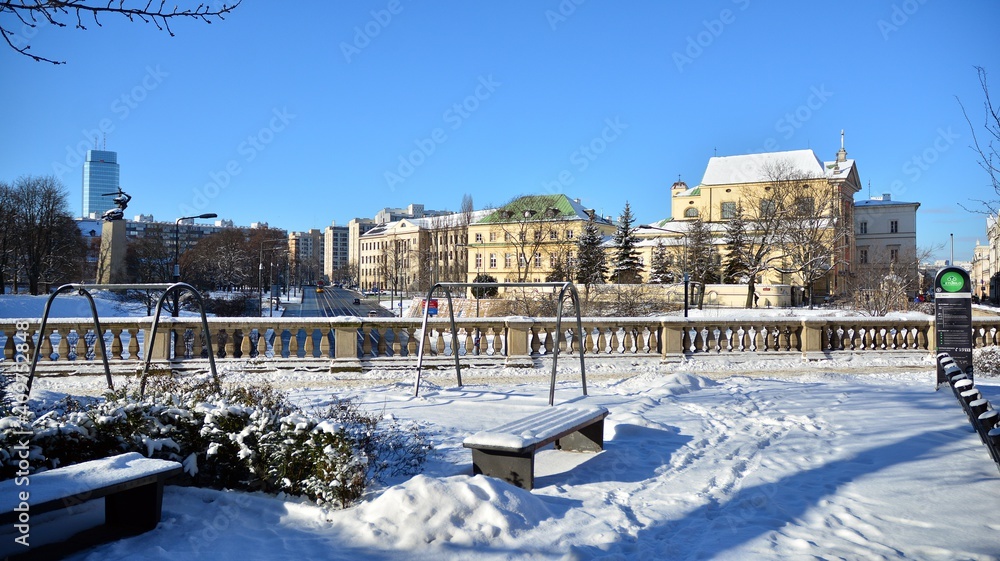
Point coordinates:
[[953, 318]]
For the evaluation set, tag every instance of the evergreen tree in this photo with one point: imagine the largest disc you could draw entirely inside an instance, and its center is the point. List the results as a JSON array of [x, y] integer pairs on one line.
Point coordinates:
[[736, 269], [703, 257], [592, 267], [659, 268], [627, 267]]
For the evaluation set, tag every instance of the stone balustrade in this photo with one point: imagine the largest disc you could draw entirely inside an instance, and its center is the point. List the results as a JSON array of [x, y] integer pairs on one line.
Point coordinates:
[[353, 344]]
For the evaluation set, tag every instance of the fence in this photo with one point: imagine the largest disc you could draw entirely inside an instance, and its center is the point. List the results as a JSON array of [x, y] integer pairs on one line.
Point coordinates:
[[354, 344]]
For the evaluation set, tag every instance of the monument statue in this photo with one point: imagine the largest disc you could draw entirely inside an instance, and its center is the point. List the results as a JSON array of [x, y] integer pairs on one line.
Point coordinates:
[[121, 201]]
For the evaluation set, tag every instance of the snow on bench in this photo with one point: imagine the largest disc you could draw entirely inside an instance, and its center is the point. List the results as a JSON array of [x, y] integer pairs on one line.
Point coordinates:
[[508, 451], [131, 485]]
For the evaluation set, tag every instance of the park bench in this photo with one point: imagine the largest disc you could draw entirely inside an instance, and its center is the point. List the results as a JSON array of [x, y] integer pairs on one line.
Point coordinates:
[[131, 485], [508, 451]]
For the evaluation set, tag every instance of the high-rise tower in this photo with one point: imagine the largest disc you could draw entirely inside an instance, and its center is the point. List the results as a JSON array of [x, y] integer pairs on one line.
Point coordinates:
[[100, 176]]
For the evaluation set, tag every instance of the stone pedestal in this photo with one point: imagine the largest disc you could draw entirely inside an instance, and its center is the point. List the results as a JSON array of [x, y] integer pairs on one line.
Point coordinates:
[[111, 260]]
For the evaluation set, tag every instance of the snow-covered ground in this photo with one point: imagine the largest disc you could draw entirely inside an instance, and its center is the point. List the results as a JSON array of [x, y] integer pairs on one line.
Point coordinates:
[[819, 463]]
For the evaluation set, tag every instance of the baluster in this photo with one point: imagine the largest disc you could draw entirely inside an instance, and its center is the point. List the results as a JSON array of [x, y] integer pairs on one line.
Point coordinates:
[[309, 344], [324, 342]]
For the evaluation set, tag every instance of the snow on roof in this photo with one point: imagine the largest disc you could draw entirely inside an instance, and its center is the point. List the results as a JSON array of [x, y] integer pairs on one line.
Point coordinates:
[[752, 168]]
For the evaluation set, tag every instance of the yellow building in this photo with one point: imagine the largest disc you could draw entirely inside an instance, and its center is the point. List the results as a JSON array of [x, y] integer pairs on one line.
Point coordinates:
[[771, 189], [530, 239]]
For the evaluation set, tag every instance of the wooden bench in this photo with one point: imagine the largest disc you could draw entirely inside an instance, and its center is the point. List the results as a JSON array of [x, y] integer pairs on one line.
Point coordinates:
[[508, 451], [131, 485]]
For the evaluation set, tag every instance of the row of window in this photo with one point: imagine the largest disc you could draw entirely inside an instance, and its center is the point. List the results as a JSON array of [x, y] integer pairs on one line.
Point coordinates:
[[507, 236], [863, 256], [893, 227]]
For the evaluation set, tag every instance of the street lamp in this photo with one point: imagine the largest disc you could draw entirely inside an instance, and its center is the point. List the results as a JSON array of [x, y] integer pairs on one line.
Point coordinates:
[[177, 252], [260, 271], [687, 277]]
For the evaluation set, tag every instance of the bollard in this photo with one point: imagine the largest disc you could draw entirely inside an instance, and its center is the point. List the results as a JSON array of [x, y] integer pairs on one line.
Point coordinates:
[[986, 423], [960, 386], [993, 437]]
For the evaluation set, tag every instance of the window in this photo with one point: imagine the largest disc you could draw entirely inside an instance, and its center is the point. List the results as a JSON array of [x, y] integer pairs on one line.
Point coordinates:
[[728, 210], [479, 237], [805, 206], [893, 226], [863, 256], [863, 228], [691, 213], [767, 208], [493, 261]]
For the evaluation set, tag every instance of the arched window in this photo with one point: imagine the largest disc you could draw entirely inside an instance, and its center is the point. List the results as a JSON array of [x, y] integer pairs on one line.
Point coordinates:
[[691, 213]]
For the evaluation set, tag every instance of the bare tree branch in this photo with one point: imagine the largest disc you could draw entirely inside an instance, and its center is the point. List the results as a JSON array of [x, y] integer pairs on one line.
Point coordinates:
[[31, 13]]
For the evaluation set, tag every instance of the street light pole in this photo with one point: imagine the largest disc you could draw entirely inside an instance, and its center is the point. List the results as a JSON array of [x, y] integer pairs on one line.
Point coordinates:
[[177, 254]]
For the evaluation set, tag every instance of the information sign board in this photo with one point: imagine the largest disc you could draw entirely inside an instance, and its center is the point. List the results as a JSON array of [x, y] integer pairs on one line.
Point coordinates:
[[953, 318]]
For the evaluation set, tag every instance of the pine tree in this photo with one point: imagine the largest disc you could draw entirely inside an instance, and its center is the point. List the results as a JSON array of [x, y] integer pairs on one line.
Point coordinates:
[[592, 267], [659, 268], [627, 266], [736, 268], [702, 261]]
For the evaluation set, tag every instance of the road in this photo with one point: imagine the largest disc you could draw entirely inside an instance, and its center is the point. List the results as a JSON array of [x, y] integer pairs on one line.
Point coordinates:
[[335, 302]]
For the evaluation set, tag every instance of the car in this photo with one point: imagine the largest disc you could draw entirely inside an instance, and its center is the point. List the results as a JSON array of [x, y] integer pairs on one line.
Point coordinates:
[[357, 301]]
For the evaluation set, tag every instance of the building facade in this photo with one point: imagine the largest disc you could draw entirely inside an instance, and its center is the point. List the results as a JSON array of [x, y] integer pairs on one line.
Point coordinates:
[[100, 176], [306, 253], [886, 239], [337, 253], [777, 189], [530, 239]]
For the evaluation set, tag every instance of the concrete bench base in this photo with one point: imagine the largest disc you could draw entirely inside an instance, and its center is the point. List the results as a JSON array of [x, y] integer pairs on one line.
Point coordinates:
[[508, 451]]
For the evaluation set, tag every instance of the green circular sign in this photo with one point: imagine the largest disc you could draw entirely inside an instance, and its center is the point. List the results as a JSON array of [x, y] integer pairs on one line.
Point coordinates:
[[952, 282]]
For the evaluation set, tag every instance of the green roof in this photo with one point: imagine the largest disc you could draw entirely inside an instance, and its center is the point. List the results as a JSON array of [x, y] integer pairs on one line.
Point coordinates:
[[540, 204]]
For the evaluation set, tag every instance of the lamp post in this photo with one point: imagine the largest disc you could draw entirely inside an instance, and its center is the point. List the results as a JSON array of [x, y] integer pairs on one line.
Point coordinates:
[[260, 271], [177, 253]]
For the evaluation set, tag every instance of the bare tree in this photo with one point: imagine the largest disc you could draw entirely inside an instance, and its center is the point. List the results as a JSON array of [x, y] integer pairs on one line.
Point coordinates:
[[47, 249], [32, 14], [815, 233], [987, 143]]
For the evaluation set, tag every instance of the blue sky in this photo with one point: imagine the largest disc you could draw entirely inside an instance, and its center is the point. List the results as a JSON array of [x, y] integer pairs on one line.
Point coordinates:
[[299, 114]]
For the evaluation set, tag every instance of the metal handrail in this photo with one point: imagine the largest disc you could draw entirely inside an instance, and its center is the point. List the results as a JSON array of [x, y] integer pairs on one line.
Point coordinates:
[[447, 286], [84, 290]]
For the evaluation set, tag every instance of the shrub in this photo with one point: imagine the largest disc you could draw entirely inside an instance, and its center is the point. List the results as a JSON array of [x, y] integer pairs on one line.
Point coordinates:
[[986, 361], [243, 437]]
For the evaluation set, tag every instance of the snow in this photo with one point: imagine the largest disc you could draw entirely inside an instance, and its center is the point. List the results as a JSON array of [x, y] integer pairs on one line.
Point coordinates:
[[534, 428], [852, 459], [82, 478]]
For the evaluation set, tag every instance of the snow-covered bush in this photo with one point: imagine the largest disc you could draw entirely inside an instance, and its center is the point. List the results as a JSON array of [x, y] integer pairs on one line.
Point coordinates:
[[244, 437], [986, 361]]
